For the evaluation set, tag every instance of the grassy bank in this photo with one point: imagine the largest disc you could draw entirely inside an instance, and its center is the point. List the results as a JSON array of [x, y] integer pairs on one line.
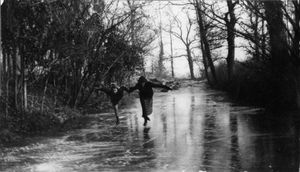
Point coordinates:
[[18, 127]]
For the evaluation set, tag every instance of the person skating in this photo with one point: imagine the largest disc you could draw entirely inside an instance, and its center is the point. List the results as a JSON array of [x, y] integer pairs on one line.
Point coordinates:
[[115, 94], [145, 88]]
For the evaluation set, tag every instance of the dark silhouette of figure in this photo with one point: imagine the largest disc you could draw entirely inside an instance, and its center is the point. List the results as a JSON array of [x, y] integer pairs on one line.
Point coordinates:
[[116, 94], [146, 95]]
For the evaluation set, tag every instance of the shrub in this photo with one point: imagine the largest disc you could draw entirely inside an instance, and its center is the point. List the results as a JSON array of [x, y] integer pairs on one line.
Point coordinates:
[[250, 83]]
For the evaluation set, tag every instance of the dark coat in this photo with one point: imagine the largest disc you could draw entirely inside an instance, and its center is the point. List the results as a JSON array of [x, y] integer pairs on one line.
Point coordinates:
[[146, 95]]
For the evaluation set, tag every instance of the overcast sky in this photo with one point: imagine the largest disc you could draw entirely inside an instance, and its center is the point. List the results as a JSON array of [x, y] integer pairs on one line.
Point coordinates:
[[165, 11]]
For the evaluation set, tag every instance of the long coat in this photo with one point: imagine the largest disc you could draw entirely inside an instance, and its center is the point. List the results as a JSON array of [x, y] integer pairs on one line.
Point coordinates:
[[146, 95]]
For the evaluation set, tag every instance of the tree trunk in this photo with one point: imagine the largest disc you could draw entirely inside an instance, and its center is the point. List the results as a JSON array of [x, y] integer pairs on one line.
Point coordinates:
[[171, 46], [255, 29], [263, 40], [230, 24], [230, 55], [15, 78], [206, 52], [23, 84], [283, 71], [296, 28], [56, 92], [75, 85], [80, 94], [5, 88], [297, 88], [161, 58], [44, 94], [278, 38], [204, 59], [25, 93], [7, 97], [296, 48], [191, 62]]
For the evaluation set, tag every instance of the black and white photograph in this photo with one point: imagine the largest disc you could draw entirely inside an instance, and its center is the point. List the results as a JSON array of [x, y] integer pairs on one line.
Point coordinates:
[[150, 85]]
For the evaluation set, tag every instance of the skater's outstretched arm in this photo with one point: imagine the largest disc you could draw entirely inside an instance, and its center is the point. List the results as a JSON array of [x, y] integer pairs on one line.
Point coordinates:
[[154, 85], [131, 89], [123, 88]]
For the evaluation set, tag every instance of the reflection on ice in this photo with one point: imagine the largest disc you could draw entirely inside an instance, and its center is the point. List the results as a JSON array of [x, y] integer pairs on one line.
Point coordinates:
[[46, 167]]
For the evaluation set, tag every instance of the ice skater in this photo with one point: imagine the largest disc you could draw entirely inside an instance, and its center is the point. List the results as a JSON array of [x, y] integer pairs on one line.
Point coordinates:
[[115, 94], [146, 95]]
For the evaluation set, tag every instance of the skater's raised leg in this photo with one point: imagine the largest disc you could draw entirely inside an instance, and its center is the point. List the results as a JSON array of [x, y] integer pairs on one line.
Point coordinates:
[[116, 114]]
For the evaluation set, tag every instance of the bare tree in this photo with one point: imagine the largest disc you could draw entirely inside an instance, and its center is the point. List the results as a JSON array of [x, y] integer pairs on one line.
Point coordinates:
[[253, 30], [226, 21], [285, 69], [171, 50], [205, 46], [184, 35], [230, 20]]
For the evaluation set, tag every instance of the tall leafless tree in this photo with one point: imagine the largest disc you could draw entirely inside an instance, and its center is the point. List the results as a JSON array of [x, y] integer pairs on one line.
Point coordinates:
[[285, 69], [205, 46], [171, 50], [253, 30], [226, 21], [184, 35], [230, 20]]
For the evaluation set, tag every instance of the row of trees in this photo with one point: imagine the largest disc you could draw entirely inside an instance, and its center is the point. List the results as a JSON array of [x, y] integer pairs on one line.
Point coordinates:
[[269, 32], [64, 48]]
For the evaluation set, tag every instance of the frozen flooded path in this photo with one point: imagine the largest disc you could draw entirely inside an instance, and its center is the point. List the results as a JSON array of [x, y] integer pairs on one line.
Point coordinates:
[[191, 129]]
